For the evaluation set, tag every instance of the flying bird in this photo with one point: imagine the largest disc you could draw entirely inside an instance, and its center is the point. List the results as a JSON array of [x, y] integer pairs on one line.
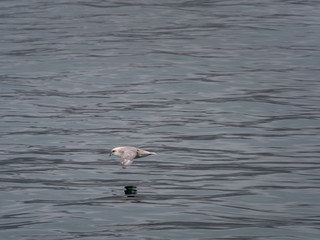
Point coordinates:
[[127, 154]]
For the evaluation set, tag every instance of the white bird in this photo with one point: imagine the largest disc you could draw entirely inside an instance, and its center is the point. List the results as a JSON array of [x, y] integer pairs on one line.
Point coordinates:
[[127, 154]]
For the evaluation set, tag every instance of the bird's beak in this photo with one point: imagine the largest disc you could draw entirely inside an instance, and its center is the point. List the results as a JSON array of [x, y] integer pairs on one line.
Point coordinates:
[[110, 154]]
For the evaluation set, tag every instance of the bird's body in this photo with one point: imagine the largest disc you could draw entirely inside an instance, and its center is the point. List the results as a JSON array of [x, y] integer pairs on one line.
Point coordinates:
[[127, 154]]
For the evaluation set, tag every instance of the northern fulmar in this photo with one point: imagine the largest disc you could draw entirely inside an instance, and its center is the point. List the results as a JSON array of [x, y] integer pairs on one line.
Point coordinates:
[[127, 154]]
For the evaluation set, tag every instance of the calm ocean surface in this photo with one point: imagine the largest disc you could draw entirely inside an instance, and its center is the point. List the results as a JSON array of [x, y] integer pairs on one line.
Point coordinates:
[[226, 92]]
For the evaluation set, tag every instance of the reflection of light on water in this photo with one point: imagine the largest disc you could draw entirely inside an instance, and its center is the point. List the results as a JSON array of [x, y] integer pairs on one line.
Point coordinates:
[[130, 191]]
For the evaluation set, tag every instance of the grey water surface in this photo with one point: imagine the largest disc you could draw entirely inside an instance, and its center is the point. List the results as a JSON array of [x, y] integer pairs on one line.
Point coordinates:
[[226, 92]]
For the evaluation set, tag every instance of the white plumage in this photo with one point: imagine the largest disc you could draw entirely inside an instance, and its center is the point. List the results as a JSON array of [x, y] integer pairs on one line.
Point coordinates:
[[127, 154]]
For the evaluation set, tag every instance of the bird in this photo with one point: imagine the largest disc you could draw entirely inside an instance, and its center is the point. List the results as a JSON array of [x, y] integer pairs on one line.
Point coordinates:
[[127, 154]]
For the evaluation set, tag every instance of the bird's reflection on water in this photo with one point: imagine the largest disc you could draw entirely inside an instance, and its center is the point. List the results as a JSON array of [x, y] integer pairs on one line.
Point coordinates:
[[130, 191]]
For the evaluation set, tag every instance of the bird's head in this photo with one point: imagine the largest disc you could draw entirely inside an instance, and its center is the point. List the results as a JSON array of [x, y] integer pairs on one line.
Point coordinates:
[[115, 151]]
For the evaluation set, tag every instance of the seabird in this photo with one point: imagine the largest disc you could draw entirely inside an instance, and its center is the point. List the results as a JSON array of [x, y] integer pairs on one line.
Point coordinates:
[[127, 154]]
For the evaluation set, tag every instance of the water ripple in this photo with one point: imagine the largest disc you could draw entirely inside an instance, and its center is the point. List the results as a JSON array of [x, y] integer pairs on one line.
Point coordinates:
[[227, 94]]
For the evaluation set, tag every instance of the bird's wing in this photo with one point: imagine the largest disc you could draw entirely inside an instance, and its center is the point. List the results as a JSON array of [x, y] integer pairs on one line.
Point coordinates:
[[127, 158]]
